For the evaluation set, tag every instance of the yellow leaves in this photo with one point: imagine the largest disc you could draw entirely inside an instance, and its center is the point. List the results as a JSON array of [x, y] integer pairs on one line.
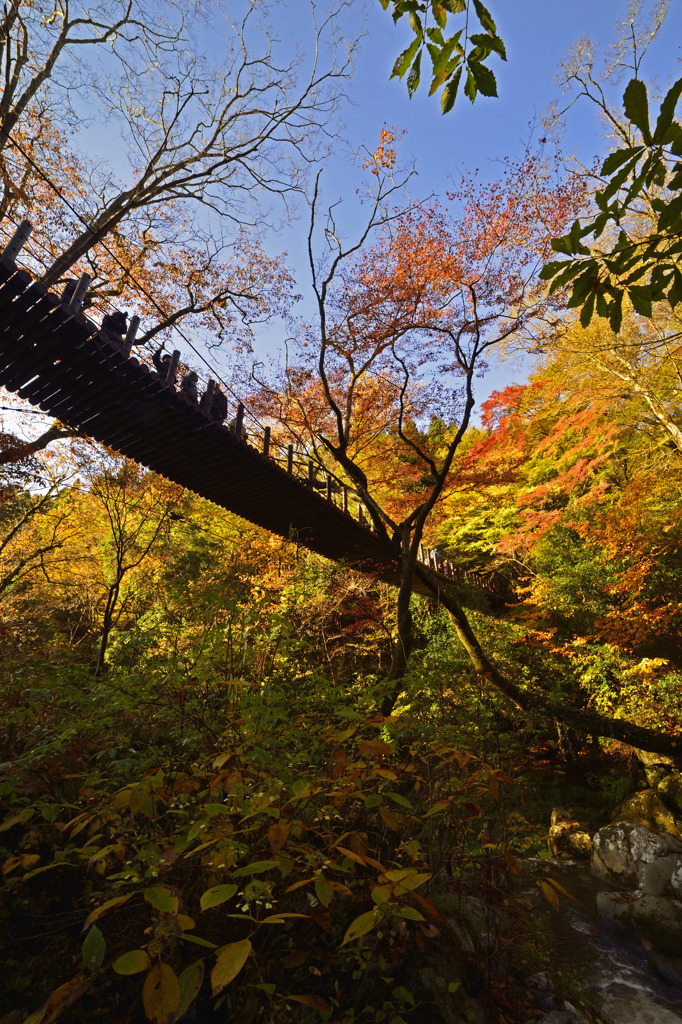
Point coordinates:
[[549, 889], [229, 963], [161, 994], [361, 926], [104, 908]]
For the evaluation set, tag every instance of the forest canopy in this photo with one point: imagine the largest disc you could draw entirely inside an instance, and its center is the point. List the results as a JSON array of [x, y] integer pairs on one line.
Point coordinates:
[[241, 781]]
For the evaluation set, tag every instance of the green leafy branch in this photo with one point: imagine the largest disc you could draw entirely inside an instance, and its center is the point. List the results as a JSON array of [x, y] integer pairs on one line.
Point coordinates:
[[646, 268], [450, 54]]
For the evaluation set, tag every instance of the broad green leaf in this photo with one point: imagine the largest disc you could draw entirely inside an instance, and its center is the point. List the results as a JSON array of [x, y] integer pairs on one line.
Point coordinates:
[[454, 6], [410, 914], [665, 118], [489, 43], [447, 100], [381, 894], [614, 160], [405, 60], [190, 982], [416, 24], [323, 892], [440, 16], [414, 76], [636, 107], [485, 18], [93, 949], [640, 297], [257, 868], [398, 798], [486, 83], [360, 926], [587, 310], [161, 994], [132, 962], [217, 895], [470, 85], [162, 898], [187, 937], [229, 963]]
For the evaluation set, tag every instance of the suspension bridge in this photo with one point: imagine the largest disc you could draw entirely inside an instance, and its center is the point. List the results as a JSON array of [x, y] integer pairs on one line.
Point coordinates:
[[58, 359]]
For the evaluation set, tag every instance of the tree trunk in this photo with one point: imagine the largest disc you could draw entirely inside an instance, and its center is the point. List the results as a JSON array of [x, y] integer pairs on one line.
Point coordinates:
[[581, 719]]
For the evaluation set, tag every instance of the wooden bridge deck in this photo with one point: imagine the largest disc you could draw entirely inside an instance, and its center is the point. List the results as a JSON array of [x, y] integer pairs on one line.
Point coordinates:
[[58, 360]]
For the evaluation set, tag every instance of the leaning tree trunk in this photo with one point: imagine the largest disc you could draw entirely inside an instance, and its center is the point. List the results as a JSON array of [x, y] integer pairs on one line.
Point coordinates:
[[582, 720]]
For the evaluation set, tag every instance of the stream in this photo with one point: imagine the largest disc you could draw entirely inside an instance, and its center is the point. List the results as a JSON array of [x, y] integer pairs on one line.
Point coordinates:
[[622, 976]]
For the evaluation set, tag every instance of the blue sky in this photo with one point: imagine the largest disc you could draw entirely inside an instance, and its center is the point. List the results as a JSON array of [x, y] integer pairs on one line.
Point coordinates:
[[537, 34]]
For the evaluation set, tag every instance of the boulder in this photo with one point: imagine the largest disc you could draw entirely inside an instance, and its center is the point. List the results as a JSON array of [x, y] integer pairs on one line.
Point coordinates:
[[646, 808], [676, 881], [656, 877], [670, 790], [653, 917], [622, 850], [567, 837], [656, 766]]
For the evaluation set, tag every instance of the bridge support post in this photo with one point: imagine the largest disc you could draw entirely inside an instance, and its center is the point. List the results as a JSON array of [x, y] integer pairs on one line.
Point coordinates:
[[329, 488], [345, 498], [74, 296], [17, 241], [130, 335], [239, 422]]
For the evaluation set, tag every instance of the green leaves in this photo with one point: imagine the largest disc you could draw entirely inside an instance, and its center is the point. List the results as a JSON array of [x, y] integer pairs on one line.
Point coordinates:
[[93, 949], [132, 962], [217, 895], [447, 52], [644, 267], [162, 898], [636, 107]]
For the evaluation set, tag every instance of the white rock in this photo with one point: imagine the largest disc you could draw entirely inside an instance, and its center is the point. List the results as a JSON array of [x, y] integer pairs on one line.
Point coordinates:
[[655, 877], [622, 850]]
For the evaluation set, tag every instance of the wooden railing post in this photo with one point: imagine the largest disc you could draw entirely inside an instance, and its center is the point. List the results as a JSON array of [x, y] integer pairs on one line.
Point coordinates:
[[311, 472], [130, 335], [239, 422], [329, 488], [421, 552], [17, 241], [345, 498], [266, 442], [77, 297], [361, 515], [207, 397], [290, 459]]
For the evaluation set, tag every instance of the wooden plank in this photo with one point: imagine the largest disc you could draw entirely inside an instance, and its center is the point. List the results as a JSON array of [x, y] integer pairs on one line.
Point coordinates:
[[79, 363], [39, 358]]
